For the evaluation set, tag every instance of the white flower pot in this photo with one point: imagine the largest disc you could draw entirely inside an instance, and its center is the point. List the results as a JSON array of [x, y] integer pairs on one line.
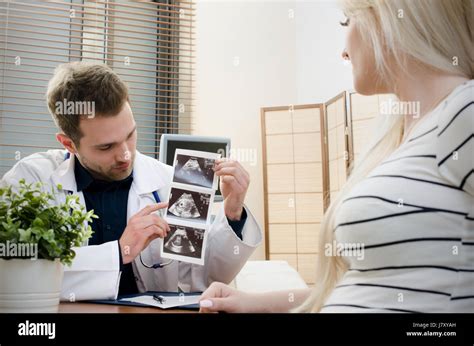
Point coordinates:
[[30, 285]]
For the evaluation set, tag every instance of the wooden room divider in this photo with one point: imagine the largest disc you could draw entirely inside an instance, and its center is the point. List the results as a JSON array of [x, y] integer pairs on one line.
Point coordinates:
[[337, 144], [307, 154], [294, 184]]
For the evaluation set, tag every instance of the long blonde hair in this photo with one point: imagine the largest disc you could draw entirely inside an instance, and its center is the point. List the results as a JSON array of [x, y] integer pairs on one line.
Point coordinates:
[[433, 33]]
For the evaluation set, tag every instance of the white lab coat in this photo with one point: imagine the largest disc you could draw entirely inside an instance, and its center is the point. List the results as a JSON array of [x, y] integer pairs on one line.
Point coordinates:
[[95, 272]]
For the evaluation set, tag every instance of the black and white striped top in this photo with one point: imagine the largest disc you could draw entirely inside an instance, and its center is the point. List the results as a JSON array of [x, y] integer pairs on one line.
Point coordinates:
[[414, 214]]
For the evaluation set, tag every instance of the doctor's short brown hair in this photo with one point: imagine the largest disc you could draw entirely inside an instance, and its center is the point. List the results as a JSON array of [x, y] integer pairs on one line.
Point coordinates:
[[82, 86]]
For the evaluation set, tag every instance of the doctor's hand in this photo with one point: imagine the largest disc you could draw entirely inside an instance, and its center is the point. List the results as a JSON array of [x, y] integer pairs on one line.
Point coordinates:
[[234, 184], [221, 297], [142, 228]]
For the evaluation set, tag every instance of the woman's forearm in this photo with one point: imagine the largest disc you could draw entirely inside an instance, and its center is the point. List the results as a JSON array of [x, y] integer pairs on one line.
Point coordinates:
[[279, 301]]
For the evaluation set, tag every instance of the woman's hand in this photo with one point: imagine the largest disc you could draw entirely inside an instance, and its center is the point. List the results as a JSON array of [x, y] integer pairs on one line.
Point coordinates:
[[221, 297]]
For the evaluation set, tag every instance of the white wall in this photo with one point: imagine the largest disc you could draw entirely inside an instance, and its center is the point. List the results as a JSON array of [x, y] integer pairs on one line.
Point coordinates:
[[254, 54], [320, 40]]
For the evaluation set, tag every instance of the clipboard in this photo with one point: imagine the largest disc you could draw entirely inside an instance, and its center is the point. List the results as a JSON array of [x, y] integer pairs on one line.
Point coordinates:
[[118, 301]]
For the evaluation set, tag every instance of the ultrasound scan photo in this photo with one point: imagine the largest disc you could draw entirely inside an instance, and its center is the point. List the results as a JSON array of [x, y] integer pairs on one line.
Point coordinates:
[[187, 204], [184, 241], [194, 170]]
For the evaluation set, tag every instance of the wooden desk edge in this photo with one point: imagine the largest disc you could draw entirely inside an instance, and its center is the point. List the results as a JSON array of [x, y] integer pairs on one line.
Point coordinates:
[[91, 308]]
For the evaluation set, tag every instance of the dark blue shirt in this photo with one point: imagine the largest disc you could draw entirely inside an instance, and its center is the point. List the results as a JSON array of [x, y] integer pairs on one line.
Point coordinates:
[[109, 200]]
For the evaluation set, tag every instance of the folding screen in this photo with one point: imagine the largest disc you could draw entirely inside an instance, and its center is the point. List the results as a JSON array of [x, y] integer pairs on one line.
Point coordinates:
[[307, 154], [337, 132], [294, 184], [362, 111]]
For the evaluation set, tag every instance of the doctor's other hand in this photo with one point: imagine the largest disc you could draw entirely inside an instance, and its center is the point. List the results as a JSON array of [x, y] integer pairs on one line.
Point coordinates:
[[142, 228], [235, 181], [221, 297]]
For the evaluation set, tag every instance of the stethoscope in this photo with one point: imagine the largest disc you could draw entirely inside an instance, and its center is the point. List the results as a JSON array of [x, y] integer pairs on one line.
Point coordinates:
[[156, 265], [157, 199]]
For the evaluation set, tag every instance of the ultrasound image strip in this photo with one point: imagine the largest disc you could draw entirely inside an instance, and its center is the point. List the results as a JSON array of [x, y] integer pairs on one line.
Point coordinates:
[[190, 201]]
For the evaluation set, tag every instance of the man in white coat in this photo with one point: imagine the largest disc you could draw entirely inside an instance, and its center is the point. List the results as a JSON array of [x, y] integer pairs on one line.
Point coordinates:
[[126, 189]]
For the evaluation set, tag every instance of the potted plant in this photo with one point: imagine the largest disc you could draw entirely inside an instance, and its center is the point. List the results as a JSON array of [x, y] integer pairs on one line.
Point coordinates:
[[36, 239]]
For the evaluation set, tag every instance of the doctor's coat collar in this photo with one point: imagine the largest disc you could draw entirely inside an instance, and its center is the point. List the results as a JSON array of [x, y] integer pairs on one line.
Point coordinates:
[[145, 176]]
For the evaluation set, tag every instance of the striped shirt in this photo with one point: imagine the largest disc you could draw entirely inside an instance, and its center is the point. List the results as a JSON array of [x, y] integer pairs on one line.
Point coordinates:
[[414, 215]]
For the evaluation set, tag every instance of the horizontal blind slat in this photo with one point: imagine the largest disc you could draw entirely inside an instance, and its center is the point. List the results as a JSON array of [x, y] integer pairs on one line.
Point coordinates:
[[89, 51], [128, 68], [49, 119], [36, 25], [78, 56], [93, 26], [111, 8], [133, 94], [10, 29], [105, 21], [94, 52], [121, 74], [135, 107]]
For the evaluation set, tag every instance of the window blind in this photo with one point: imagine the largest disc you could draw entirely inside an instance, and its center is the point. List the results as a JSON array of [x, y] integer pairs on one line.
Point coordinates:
[[150, 44]]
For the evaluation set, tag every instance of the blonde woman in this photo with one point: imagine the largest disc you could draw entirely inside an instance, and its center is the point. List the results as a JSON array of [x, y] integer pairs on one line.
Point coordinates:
[[409, 200]]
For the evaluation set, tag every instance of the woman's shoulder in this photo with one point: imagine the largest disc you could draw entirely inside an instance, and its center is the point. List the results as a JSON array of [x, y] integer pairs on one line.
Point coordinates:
[[455, 137], [458, 107]]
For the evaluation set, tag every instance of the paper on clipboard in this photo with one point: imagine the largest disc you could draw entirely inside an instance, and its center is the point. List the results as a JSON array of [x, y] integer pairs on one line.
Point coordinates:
[[168, 302]]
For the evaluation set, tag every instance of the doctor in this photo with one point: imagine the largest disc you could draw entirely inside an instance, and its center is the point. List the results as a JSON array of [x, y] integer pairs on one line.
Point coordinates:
[[90, 104]]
